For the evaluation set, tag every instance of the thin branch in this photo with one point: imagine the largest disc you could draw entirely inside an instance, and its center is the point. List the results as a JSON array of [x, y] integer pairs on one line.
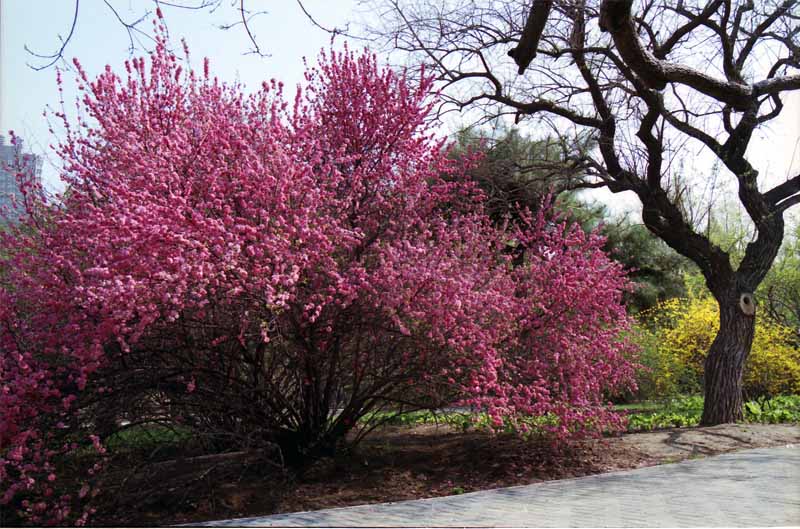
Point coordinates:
[[130, 27], [246, 24], [334, 31], [58, 55]]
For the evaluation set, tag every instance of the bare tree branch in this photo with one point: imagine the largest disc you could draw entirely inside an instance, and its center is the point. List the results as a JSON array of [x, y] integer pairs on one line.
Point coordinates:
[[615, 17], [55, 57], [525, 51], [786, 204], [135, 34], [602, 68], [246, 24], [333, 31], [784, 190]]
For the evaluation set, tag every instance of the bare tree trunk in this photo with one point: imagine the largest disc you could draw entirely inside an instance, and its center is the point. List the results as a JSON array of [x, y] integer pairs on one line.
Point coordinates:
[[725, 361]]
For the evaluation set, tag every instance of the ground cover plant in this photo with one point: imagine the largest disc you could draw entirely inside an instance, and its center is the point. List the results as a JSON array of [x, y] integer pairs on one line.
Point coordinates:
[[264, 275], [687, 411], [669, 412]]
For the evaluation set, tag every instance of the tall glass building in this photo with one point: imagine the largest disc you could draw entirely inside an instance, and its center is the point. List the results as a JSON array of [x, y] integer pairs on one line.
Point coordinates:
[[14, 160]]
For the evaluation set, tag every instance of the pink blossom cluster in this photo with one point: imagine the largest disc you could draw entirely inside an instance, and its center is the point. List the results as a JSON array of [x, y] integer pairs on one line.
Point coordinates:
[[35, 407], [329, 234]]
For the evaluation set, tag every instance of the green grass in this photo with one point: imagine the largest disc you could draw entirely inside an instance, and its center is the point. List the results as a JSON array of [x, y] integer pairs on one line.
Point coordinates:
[[146, 434], [464, 421], [640, 406], [150, 439]]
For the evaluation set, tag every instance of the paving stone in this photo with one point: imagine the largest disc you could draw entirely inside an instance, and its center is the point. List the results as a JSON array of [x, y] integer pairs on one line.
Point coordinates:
[[749, 488]]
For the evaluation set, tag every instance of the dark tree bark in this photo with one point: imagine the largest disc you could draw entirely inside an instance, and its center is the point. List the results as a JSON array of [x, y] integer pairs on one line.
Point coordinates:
[[725, 361], [525, 52], [646, 79]]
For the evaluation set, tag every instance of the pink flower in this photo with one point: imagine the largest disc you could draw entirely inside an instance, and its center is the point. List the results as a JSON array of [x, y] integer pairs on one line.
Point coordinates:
[[83, 491]]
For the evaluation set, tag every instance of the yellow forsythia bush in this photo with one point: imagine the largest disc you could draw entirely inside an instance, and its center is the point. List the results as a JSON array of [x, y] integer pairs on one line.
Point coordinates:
[[678, 334]]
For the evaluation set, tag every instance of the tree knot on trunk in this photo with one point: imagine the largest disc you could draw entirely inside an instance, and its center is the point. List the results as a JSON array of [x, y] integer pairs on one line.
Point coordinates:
[[747, 303]]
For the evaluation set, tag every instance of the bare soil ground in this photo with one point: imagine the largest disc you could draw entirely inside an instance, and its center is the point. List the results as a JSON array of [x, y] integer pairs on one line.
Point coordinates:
[[403, 463]]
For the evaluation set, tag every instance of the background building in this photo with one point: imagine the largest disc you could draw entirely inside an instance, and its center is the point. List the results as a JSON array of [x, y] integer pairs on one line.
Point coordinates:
[[14, 160]]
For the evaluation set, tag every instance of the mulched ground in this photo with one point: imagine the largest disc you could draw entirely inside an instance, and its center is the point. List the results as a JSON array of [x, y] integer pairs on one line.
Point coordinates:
[[398, 463]]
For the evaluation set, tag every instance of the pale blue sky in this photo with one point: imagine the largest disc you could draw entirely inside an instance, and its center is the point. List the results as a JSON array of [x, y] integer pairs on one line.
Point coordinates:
[[99, 39]]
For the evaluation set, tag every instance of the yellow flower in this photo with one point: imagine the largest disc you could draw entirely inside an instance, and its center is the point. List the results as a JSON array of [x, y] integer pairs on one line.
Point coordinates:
[[681, 333]]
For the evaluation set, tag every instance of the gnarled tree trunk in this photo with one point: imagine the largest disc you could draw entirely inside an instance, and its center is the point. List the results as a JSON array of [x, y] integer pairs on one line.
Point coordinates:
[[726, 357]]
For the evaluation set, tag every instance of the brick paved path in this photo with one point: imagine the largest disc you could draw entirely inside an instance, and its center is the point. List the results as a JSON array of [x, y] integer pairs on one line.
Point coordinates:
[[749, 488]]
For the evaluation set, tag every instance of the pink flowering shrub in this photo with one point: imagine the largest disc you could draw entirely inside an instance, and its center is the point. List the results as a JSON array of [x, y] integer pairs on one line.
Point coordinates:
[[268, 275]]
